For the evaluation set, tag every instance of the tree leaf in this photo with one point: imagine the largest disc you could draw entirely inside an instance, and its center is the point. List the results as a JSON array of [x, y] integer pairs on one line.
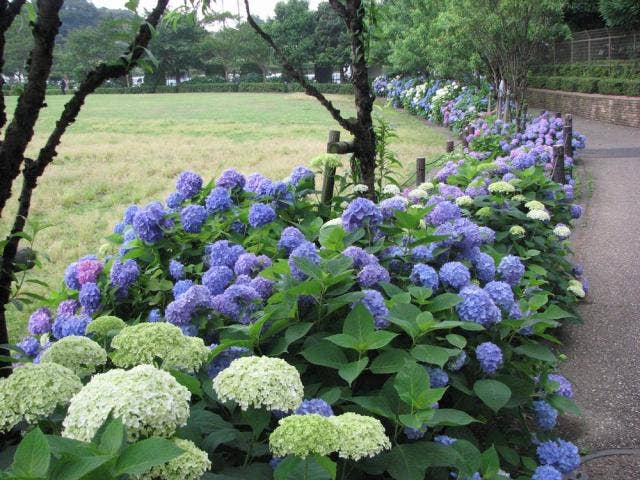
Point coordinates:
[[412, 385], [493, 393], [325, 354], [433, 354], [389, 361], [536, 351], [449, 417], [146, 454], [33, 455], [113, 437], [351, 371], [444, 301], [379, 339]]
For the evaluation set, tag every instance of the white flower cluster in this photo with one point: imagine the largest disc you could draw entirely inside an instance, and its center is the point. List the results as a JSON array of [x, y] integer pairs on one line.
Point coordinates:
[[517, 231], [360, 188], [330, 160], [541, 215], [391, 189], [426, 186], [149, 402], [501, 187], [260, 382], [562, 231], [417, 194], [360, 436], [191, 465], [81, 355], [576, 288], [104, 327], [534, 205], [464, 201], [142, 343], [33, 391]]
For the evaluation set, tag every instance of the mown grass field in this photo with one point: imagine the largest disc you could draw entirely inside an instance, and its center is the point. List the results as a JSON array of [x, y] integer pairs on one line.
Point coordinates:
[[129, 148]]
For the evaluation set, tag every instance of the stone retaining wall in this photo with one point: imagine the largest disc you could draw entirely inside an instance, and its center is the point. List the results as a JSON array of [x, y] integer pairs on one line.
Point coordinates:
[[618, 110]]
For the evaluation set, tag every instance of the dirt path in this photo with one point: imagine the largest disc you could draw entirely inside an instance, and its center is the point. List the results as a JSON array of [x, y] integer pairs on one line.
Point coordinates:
[[604, 353]]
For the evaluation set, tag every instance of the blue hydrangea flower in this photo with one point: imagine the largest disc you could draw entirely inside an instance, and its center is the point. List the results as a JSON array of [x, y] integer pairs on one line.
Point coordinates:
[[124, 274], [559, 454], [564, 386], [68, 307], [437, 377], [361, 213], [29, 345], [415, 433], [154, 316], [455, 275], [306, 250], [501, 294], [443, 212], [511, 269], [280, 193], [119, 228], [576, 211], [90, 297], [189, 330], [424, 276], [176, 269], [389, 206], [217, 279], [485, 267], [423, 253], [181, 310], [193, 217], [223, 253], [71, 276], [546, 416], [360, 257], [275, 461], [300, 174], [261, 214], [130, 213], [218, 200], [373, 275], [546, 472], [489, 356], [487, 235], [66, 325], [457, 362], [149, 222], [224, 359], [314, 405], [444, 440], [231, 179], [374, 302], [251, 264], [40, 321], [188, 184], [258, 184], [180, 287], [263, 286], [238, 302], [290, 238], [174, 200]]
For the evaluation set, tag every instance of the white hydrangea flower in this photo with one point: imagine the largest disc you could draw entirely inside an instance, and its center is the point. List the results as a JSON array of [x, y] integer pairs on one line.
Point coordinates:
[[426, 186], [260, 382], [105, 326], [32, 392], [562, 231], [417, 194], [81, 355], [534, 205], [464, 201], [344, 205], [304, 435], [517, 231], [518, 198], [541, 215], [332, 160], [334, 222], [501, 187], [143, 343], [391, 189], [360, 188], [576, 288], [149, 402], [191, 465], [360, 436]]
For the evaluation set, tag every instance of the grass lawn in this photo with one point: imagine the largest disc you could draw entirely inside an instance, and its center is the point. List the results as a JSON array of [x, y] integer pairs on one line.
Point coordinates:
[[129, 148]]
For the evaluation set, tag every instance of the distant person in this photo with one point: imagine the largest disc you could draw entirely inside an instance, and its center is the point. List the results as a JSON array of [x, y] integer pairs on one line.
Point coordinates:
[[64, 84]]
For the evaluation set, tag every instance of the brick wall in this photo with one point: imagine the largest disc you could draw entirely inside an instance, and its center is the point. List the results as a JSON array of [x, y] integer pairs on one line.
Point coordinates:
[[618, 110]]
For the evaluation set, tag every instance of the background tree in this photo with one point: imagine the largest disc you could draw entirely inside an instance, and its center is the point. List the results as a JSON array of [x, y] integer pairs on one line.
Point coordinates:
[[620, 13], [583, 15], [331, 42], [17, 47], [293, 29]]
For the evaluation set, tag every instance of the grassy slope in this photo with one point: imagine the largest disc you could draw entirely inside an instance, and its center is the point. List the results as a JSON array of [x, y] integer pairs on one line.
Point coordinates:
[[129, 148]]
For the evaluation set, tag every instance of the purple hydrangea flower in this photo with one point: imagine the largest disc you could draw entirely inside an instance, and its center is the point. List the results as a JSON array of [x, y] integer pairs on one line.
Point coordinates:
[[487, 235], [193, 217], [415, 433], [154, 316], [124, 274], [511, 269], [66, 325], [306, 250], [546, 472], [423, 253], [224, 253], [224, 359], [315, 405], [372, 275], [477, 306], [238, 302], [189, 330], [444, 440], [180, 287], [389, 206], [564, 386], [455, 275], [489, 356], [231, 179], [290, 238], [130, 213], [40, 321], [90, 297], [485, 267], [87, 271], [181, 310], [576, 211], [119, 228], [218, 200], [438, 378], [360, 213], [443, 212], [258, 184], [263, 286], [261, 214], [29, 345], [149, 222], [424, 276], [559, 454], [176, 269], [71, 276], [546, 416], [188, 184], [360, 257], [299, 174], [501, 294], [374, 302], [217, 279], [68, 307], [174, 200], [251, 264], [457, 362]]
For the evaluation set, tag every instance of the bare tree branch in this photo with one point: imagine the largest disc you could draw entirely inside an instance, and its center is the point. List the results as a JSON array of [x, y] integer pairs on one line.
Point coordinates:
[[339, 8], [8, 13], [309, 88]]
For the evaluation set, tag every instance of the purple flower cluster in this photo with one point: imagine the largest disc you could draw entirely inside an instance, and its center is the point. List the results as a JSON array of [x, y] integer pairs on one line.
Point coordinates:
[[238, 302], [90, 298], [261, 214], [181, 310], [224, 359], [361, 213], [217, 279], [218, 200], [443, 212], [223, 253], [150, 222], [374, 302], [307, 251], [87, 271], [511, 269], [180, 287], [315, 406], [560, 454], [424, 276], [301, 174], [193, 217], [489, 356], [391, 205], [290, 238], [501, 294], [66, 325], [438, 378], [361, 258], [40, 321], [231, 180], [251, 264], [546, 416], [546, 472], [372, 275], [564, 388], [124, 273], [188, 184], [455, 275], [176, 269]]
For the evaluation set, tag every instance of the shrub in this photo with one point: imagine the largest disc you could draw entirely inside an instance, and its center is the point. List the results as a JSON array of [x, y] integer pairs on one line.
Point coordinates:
[[586, 84], [609, 86], [631, 88], [261, 87]]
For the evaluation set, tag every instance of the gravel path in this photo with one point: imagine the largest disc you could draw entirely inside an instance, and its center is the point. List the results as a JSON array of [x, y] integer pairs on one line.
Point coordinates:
[[604, 353]]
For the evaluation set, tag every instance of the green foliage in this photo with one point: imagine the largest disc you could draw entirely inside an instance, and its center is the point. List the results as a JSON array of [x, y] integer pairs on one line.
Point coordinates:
[[604, 85], [620, 13]]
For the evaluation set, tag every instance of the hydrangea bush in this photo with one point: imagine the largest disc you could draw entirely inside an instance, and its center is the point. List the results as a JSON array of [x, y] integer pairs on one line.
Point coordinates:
[[403, 338]]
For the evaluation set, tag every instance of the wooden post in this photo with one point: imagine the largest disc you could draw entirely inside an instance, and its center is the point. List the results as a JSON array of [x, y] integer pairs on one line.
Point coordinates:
[[558, 164], [329, 176], [449, 146], [558, 115], [465, 132], [420, 170], [567, 134], [472, 130]]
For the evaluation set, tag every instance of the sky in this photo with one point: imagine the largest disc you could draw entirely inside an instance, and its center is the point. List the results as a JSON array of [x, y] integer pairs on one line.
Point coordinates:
[[260, 8]]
